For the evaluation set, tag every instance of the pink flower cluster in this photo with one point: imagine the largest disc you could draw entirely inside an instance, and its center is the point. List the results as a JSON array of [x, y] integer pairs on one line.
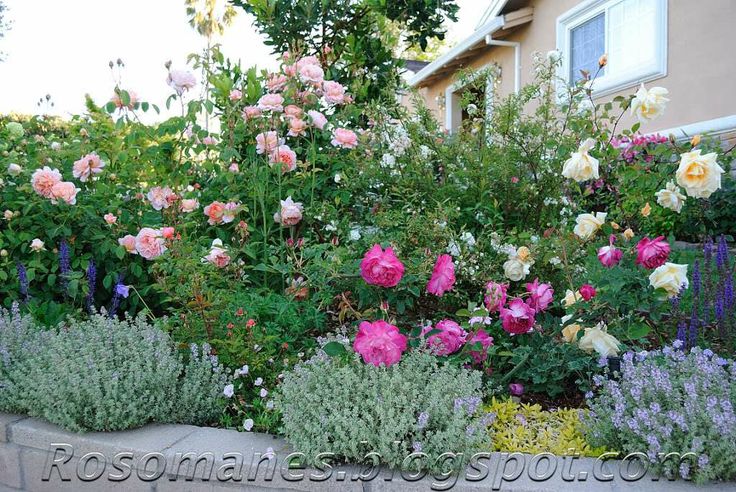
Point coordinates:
[[637, 145], [47, 183], [221, 213], [149, 243], [519, 315], [379, 343]]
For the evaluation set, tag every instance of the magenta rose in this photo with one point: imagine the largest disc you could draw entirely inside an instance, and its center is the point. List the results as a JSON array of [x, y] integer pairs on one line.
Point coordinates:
[[443, 276], [381, 267], [449, 340], [485, 341], [495, 297], [652, 253], [587, 292], [610, 255], [540, 295], [518, 318], [379, 343]]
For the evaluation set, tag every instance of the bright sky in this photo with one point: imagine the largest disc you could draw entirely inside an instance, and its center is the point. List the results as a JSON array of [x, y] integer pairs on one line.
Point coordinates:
[[63, 47]]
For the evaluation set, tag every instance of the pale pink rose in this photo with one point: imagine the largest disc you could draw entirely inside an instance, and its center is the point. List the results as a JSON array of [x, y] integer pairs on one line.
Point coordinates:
[[449, 340], [181, 80], [159, 197], [276, 82], [334, 92], [37, 245], [87, 166], [43, 180], [64, 191], [229, 212], [379, 343], [250, 112], [540, 295], [485, 341], [610, 256], [342, 137], [289, 70], [234, 168], [235, 95], [311, 74], [443, 276], [209, 140], [495, 297], [128, 242], [293, 111], [297, 127], [290, 213], [271, 102], [307, 60], [518, 318], [266, 142], [168, 232], [189, 205], [214, 211], [652, 253], [110, 218], [381, 268], [149, 243], [118, 102], [285, 156], [218, 255], [318, 119]]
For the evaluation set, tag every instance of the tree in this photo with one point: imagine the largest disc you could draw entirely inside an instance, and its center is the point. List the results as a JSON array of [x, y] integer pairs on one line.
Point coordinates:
[[354, 39]]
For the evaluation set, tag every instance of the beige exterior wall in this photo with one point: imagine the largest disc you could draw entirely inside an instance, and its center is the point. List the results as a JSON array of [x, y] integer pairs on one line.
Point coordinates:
[[701, 64]]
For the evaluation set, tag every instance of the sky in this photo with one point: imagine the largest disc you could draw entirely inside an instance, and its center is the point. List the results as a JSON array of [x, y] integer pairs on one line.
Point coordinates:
[[63, 47]]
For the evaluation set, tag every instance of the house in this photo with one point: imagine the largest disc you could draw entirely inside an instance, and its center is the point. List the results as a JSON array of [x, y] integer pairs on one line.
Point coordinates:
[[682, 45]]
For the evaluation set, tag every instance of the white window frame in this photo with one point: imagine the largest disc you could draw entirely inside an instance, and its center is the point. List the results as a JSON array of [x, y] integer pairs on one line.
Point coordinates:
[[453, 111], [610, 83]]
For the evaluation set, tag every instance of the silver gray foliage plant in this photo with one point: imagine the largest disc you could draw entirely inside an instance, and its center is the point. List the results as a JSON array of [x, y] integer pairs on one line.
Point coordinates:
[[350, 408], [104, 374]]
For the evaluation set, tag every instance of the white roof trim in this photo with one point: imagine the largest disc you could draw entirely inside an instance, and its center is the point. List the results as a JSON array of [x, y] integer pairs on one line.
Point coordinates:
[[712, 127], [492, 11], [479, 35]]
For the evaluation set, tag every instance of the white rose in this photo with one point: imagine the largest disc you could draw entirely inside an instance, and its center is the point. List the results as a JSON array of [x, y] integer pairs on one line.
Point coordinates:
[[14, 169], [515, 269], [8, 214], [581, 166], [700, 175], [588, 224], [648, 104], [671, 197], [37, 245], [600, 340], [671, 277]]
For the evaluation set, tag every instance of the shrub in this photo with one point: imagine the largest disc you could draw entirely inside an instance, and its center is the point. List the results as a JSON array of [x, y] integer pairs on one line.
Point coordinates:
[[670, 401], [103, 374], [351, 408]]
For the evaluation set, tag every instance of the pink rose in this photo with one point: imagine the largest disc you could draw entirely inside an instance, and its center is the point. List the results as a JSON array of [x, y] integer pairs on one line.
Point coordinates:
[[229, 212], [215, 211], [379, 343], [587, 292], [652, 253], [271, 102], [485, 341], [217, 256], [540, 295], [189, 205], [110, 218], [290, 213], [181, 80], [342, 137], [149, 243], [128, 242], [168, 232], [318, 119], [234, 168], [381, 267], [307, 60], [209, 140], [276, 82], [64, 191], [518, 318], [43, 180], [285, 156], [297, 127], [443, 276], [495, 297], [334, 92], [610, 256], [266, 142], [311, 74], [293, 111], [88, 165], [235, 95], [449, 340], [250, 112], [159, 197], [516, 389], [118, 101]]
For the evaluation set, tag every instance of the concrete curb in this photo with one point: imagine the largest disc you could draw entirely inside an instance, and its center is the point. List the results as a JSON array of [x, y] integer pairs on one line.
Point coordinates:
[[157, 458]]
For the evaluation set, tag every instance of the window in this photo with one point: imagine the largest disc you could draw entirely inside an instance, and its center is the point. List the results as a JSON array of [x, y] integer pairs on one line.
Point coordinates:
[[633, 33], [480, 85]]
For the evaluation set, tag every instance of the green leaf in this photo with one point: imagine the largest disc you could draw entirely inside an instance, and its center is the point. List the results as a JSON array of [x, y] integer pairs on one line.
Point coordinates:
[[334, 349]]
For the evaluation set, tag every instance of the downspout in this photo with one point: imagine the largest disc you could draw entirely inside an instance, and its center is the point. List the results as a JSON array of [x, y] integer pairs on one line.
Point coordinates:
[[517, 58]]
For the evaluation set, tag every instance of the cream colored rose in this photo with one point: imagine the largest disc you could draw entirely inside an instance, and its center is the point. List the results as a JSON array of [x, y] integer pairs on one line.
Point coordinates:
[[671, 277], [581, 166], [570, 332], [588, 224], [600, 340], [700, 175], [515, 269], [648, 104], [571, 298], [671, 197]]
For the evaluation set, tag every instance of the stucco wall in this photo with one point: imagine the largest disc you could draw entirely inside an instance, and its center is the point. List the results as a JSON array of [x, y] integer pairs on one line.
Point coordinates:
[[701, 72]]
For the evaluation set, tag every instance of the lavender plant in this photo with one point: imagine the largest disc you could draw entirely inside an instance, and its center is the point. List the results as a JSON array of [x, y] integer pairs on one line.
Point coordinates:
[[670, 401]]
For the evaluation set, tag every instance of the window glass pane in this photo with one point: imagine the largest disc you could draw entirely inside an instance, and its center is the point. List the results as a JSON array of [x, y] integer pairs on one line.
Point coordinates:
[[632, 36], [587, 44]]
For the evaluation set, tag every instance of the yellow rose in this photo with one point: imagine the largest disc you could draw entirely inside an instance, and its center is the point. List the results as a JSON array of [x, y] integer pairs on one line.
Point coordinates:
[[523, 254], [648, 104], [671, 277], [581, 166], [700, 175], [615, 226], [646, 210], [588, 224], [571, 298], [695, 140], [628, 233], [671, 197], [600, 340], [570, 332]]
